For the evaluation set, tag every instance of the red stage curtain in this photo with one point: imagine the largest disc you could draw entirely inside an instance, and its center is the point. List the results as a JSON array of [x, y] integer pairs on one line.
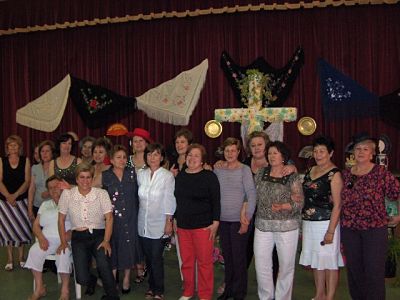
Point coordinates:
[[130, 58]]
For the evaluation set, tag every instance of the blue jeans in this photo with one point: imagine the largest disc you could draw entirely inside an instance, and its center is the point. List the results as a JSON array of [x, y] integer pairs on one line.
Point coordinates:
[[84, 246], [153, 251]]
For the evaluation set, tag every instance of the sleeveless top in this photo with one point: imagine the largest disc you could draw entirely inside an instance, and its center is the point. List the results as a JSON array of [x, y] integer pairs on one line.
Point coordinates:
[[67, 174], [14, 178], [317, 196]]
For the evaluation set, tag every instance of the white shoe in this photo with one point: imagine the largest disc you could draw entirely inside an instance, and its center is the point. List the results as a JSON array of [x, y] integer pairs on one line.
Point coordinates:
[[185, 298]]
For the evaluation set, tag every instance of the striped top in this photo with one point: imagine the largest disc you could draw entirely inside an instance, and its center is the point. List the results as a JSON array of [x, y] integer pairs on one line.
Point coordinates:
[[237, 186]]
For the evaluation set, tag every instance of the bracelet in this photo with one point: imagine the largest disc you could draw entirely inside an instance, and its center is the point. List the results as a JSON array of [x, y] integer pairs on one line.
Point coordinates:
[[107, 241], [330, 232]]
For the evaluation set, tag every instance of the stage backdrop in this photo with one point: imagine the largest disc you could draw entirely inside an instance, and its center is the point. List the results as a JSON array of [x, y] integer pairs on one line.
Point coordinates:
[[130, 57]]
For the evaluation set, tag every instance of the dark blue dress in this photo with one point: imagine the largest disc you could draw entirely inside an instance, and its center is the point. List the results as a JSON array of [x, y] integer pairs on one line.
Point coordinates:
[[126, 250]]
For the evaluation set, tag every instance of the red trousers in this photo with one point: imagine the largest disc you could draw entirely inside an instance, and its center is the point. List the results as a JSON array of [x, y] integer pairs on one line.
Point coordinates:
[[195, 247]]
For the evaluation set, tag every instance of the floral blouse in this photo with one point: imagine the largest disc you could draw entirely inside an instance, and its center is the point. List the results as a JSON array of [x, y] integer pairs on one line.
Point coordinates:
[[272, 190], [363, 198], [318, 204]]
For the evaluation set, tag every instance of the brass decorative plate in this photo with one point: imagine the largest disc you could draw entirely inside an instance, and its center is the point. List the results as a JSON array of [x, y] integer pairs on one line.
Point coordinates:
[[213, 128], [307, 125]]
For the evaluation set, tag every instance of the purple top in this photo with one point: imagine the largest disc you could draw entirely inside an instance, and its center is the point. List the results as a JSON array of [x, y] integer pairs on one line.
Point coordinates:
[[363, 198]]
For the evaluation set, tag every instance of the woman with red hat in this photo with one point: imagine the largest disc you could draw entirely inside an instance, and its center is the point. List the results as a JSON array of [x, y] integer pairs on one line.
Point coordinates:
[[140, 139]]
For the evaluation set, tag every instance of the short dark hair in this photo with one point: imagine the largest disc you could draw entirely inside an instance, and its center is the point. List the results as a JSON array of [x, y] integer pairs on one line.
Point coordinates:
[[202, 150], [102, 142], [150, 148], [232, 141], [117, 148], [282, 149], [51, 178], [62, 139], [186, 133], [326, 141]]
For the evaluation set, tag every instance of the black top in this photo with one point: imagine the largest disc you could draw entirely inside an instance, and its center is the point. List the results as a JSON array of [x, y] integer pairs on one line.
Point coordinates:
[[14, 178], [197, 199], [317, 197]]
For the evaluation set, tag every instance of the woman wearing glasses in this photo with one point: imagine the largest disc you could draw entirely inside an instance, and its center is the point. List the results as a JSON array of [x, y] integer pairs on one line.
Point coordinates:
[[364, 220]]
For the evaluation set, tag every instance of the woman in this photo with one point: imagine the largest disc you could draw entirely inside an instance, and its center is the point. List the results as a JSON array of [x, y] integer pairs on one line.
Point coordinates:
[[321, 235], [364, 221], [65, 164], [121, 184], [140, 139], [15, 227], [156, 209], [86, 147], [198, 210], [237, 184], [279, 204], [90, 211], [38, 192], [48, 240], [183, 138], [101, 150]]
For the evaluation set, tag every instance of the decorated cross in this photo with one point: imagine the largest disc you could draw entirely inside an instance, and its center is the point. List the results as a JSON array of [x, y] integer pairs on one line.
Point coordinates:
[[256, 92]]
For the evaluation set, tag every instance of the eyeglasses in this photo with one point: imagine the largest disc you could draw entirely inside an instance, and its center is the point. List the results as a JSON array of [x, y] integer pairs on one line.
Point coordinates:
[[352, 182]]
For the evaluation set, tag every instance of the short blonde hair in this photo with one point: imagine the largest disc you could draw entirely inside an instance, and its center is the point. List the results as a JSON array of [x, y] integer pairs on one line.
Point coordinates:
[[84, 167], [14, 139]]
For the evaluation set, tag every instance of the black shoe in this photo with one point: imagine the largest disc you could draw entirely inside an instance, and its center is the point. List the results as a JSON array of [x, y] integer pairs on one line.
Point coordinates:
[[224, 296], [126, 291], [90, 290]]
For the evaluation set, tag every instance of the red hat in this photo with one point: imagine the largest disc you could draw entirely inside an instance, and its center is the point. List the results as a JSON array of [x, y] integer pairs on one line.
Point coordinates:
[[143, 133]]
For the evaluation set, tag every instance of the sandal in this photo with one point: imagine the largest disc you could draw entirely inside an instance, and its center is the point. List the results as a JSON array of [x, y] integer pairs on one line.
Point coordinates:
[[159, 297], [149, 294], [140, 277], [9, 267]]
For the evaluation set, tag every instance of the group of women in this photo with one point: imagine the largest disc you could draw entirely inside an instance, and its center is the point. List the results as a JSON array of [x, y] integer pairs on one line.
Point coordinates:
[[121, 212]]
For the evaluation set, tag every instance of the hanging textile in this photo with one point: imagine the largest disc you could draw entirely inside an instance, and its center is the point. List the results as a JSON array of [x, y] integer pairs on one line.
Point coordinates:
[[174, 101], [342, 97], [96, 104], [280, 80], [45, 113]]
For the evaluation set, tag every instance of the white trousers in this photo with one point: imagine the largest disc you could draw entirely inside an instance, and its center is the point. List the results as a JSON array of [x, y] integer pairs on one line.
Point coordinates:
[[286, 246], [37, 256]]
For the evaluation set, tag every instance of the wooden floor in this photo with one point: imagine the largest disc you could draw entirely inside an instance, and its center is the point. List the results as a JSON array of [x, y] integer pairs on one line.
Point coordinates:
[[17, 285]]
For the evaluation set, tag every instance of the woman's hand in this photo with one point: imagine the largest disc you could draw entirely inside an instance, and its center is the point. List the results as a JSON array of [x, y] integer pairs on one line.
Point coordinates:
[[43, 243], [31, 215], [289, 169], [328, 238], [61, 248], [64, 185], [394, 220], [277, 207], [213, 230], [168, 227], [207, 167], [243, 228], [11, 199], [174, 170], [220, 164], [107, 248]]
